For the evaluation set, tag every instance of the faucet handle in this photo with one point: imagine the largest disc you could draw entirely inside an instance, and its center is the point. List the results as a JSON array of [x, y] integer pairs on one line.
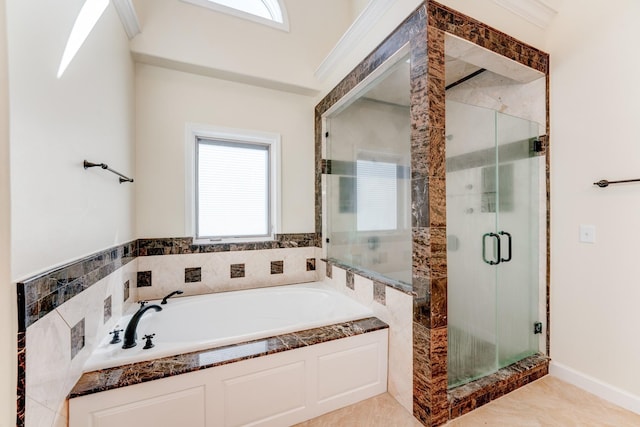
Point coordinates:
[[116, 336], [148, 344], [143, 303]]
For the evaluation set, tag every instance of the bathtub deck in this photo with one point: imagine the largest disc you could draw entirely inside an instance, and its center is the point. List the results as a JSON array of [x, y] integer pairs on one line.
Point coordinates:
[[122, 376]]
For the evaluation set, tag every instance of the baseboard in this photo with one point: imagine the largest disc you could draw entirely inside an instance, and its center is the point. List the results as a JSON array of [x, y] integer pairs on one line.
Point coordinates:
[[597, 387]]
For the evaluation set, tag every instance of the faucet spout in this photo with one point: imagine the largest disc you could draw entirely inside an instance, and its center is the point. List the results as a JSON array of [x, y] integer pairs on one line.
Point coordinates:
[[164, 300], [130, 332]]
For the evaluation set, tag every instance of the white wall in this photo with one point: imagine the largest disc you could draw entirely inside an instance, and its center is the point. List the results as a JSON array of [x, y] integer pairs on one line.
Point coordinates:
[[8, 318], [595, 104], [167, 100], [179, 31], [62, 212]]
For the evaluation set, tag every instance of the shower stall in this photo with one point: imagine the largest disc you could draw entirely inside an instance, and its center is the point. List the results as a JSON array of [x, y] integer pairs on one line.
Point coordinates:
[[493, 233], [431, 178]]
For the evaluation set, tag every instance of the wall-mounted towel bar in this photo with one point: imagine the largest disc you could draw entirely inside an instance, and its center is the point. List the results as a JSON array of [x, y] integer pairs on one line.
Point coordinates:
[[604, 183], [122, 178]]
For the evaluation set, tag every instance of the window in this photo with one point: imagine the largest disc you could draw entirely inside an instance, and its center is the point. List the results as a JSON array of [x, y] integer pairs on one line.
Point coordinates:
[[269, 12], [377, 195], [233, 185]]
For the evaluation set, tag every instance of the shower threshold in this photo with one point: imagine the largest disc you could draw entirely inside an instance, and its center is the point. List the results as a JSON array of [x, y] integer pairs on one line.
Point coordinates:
[[472, 395]]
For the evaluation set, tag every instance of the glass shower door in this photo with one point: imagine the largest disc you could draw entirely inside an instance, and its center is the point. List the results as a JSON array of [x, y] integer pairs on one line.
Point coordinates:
[[518, 216], [493, 213], [471, 154]]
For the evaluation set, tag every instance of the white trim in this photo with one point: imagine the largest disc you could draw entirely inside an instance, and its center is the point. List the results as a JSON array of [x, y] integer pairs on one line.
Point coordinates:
[[194, 130], [127, 13], [283, 26], [595, 386], [538, 12], [356, 32], [368, 81]]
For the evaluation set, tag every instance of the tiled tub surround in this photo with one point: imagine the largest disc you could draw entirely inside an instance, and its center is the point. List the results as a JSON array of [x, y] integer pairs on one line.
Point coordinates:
[[135, 373], [206, 321], [226, 271], [395, 309], [424, 31], [60, 342], [41, 298], [284, 379]]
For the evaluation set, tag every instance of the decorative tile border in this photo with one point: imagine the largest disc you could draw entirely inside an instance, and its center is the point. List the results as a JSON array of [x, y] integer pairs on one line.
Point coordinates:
[[396, 284], [184, 245], [122, 376], [42, 294]]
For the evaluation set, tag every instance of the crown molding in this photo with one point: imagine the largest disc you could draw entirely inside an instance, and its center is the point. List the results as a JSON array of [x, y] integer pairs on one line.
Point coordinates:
[[356, 32], [128, 17], [538, 12]]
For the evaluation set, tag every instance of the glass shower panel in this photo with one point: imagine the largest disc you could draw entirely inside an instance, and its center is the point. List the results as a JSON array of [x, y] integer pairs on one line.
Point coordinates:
[[518, 215], [471, 213], [368, 178]]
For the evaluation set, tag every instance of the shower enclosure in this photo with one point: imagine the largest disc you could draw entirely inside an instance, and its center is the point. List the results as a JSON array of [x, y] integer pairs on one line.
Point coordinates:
[[429, 180], [493, 233], [368, 177]]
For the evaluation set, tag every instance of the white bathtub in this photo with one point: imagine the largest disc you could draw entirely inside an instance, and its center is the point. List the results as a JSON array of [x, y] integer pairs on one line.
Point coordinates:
[[199, 322]]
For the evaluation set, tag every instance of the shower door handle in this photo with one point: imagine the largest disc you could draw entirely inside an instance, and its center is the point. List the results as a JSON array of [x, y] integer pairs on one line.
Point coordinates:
[[504, 233], [484, 247]]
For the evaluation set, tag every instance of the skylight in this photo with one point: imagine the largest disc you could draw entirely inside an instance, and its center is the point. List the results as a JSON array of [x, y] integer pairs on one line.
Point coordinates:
[[269, 12], [89, 15]]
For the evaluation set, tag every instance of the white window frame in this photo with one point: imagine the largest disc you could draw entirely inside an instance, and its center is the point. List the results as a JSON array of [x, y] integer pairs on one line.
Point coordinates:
[[194, 131], [283, 26]]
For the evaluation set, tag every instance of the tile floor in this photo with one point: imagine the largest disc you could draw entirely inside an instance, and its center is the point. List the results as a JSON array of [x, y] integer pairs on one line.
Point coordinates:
[[546, 402]]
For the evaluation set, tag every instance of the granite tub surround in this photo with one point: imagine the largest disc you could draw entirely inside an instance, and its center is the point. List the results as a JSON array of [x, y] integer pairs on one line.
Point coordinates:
[[61, 341], [185, 245], [397, 313], [226, 271], [122, 376]]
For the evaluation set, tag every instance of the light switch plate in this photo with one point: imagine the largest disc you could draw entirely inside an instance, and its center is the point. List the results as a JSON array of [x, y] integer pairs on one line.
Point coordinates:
[[587, 233]]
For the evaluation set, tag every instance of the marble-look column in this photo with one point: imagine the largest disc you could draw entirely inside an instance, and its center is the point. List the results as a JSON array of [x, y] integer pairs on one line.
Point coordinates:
[[429, 221]]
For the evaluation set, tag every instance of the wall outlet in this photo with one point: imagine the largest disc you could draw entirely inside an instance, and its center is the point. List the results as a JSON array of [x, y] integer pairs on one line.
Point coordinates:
[[588, 233]]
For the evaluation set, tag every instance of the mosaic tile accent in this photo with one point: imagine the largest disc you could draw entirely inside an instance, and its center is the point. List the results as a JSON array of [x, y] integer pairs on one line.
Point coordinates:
[[126, 291], [77, 338], [122, 376], [144, 279], [472, 395], [237, 271], [379, 293], [277, 267], [350, 280], [311, 264], [192, 275], [107, 310]]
